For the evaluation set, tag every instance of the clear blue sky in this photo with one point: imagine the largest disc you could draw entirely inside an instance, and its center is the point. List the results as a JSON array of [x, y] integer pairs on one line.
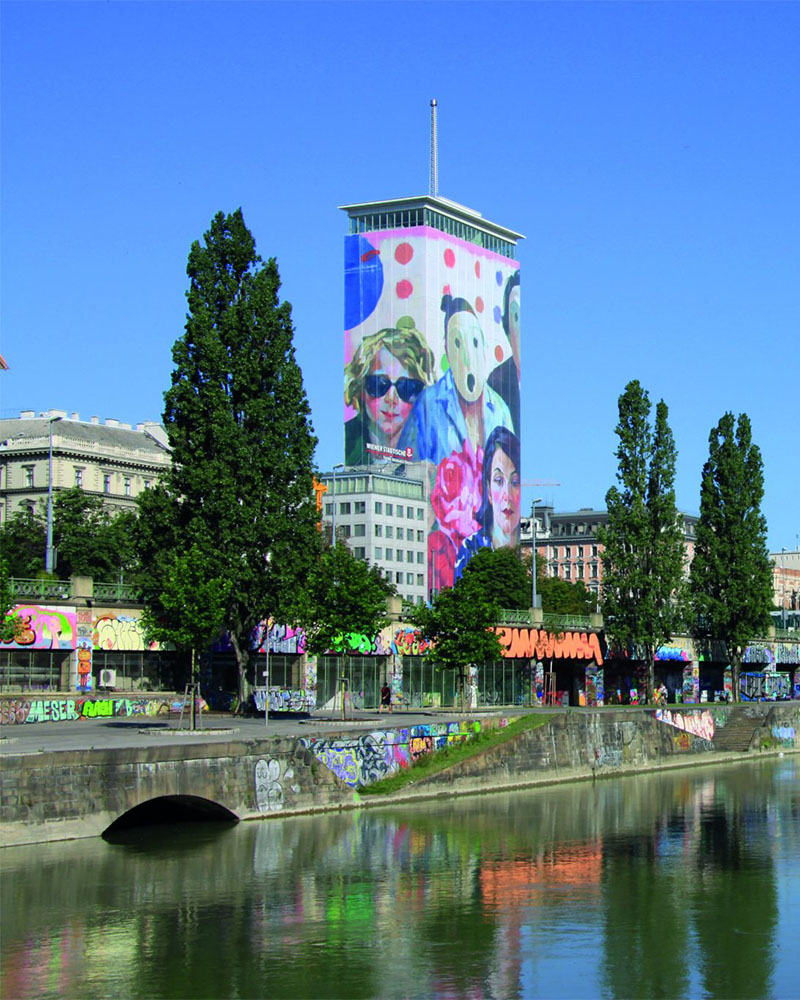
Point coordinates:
[[649, 151]]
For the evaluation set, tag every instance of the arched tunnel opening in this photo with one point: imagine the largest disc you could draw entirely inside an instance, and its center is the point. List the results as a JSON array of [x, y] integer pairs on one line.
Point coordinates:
[[170, 810]]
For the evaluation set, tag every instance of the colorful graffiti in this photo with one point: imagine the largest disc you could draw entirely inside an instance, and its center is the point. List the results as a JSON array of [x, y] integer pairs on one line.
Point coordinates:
[[16, 711], [670, 652], [360, 761], [767, 686], [527, 643], [120, 632], [784, 735], [43, 627], [285, 700], [282, 639], [700, 724]]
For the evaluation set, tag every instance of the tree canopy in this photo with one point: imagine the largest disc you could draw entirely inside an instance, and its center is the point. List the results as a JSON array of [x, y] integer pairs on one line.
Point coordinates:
[[22, 541], [341, 594], [501, 577], [731, 574], [239, 490], [644, 552]]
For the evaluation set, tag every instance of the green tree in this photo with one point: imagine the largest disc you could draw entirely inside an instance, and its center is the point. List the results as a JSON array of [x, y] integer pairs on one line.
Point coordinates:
[[238, 421], [341, 594], [459, 623], [644, 552], [501, 577], [22, 541], [91, 541], [8, 622], [192, 608], [731, 574]]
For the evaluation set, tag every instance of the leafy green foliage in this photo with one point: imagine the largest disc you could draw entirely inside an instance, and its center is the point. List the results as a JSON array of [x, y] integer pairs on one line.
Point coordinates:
[[240, 486], [7, 602], [731, 574], [341, 594], [90, 540], [458, 624], [644, 552], [501, 577], [22, 541]]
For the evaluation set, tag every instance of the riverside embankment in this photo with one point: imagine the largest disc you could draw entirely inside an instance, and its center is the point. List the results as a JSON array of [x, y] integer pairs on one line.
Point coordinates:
[[244, 770]]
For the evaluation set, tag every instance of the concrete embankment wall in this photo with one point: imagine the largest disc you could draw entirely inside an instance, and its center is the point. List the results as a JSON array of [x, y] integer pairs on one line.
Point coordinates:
[[62, 795]]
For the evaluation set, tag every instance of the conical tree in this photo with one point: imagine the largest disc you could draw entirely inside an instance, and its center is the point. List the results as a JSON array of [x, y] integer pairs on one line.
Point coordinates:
[[731, 574], [239, 491], [643, 556]]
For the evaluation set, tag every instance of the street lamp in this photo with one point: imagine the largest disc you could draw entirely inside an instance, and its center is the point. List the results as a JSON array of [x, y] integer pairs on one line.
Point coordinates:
[[533, 552], [783, 587], [48, 552], [340, 465]]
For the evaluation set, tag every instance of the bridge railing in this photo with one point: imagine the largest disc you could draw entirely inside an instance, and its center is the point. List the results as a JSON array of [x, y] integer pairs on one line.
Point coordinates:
[[522, 616], [115, 592], [45, 589]]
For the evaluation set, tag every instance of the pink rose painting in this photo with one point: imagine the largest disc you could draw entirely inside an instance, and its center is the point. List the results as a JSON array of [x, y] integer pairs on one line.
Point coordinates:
[[455, 498]]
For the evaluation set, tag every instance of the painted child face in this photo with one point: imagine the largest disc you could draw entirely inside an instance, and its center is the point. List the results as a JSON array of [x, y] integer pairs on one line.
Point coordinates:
[[388, 412], [504, 494], [466, 352], [513, 315]]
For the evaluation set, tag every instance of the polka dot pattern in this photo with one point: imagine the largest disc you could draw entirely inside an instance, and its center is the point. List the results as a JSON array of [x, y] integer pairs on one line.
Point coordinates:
[[449, 258], [479, 305], [498, 354], [403, 253], [498, 316], [403, 289]]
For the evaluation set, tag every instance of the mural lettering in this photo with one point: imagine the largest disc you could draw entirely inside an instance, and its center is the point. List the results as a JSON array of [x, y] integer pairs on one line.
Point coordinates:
[[120, 632], [31, 710], [283, 700], [672, 653], [699, 724], [528, 643]]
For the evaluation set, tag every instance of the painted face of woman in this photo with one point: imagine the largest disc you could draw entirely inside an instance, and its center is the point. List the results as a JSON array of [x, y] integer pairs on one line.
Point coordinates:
[[389, 393], [504, 496]]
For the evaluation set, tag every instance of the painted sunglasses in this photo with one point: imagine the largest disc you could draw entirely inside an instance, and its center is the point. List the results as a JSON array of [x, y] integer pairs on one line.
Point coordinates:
[[407, 388]]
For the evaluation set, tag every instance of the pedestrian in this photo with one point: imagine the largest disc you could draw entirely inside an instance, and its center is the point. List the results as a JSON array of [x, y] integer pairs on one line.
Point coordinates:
[[386, 698]]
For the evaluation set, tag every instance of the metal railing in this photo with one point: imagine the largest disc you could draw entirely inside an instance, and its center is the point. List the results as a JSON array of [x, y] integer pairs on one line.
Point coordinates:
[[115, 592], [522, 616], [513, 616], [42, 589]]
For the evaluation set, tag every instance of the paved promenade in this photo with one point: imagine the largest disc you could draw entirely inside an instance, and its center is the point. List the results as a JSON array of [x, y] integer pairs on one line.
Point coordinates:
[[97, 734]]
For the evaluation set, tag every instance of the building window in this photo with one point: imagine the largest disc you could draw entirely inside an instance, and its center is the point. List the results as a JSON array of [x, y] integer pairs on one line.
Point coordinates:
[[410, 579], [567, 551], [346, 530], [421, 557], [344, 508], [360, 506], [147, 483], [567, 571], [79, 477], [398, 578], [420, 580], [399, 555], [420, 536], [594, 550], [410, 513], [400, 533], [389, 509], [390, 555], [361, 553], [379, 531], [378, 507], [359, 530], [328, 509], [420, 513], [29, 475], [378, 552], [389, 531], [127, 486], [594, 570], [410, 556], [106, 483], [580, 552]]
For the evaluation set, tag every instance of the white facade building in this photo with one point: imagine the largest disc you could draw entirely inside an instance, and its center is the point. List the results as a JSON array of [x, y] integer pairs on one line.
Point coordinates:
[[380, 512]]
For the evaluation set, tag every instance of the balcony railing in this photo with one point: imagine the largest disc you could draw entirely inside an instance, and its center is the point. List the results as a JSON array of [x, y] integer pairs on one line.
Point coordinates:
[[41, 589]]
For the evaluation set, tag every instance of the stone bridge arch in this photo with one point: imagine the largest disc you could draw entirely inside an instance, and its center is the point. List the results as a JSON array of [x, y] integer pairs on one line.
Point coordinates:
[[164, 809]]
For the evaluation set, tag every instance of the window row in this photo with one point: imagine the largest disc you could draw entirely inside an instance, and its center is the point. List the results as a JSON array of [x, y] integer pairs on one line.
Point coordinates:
[[388, 555], [396, 510], [388, 531]]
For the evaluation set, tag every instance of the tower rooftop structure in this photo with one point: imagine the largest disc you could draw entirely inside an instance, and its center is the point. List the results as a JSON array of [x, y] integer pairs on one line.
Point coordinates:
[[437, 213]]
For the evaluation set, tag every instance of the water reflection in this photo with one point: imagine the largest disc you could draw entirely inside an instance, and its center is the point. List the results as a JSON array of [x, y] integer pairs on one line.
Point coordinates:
[[664, 885]]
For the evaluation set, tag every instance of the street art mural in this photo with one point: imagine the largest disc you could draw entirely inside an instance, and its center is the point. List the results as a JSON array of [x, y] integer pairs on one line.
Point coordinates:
[[273, 778], [24, 710], [784, 736], [767, 686], [285, 700], [432, 367], [43, 627], [121, 633], [528, 643], [700, 724], [282, 639], [671, 652], [361, 760]]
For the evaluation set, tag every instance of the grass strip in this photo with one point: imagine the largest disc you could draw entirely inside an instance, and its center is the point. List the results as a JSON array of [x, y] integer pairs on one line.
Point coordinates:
[[439, 760]]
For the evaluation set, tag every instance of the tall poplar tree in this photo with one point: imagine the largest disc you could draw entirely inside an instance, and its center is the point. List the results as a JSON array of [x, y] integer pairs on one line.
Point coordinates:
[[643, 557], [731, 574], [239, 493]]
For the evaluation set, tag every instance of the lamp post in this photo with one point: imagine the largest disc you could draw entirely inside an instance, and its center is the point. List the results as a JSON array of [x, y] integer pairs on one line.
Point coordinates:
[[783, 587], [333, 498], [48, 552], [533, 552]]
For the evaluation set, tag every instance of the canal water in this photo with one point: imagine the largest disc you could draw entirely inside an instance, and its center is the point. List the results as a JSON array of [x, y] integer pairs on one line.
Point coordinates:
[[679, 884]]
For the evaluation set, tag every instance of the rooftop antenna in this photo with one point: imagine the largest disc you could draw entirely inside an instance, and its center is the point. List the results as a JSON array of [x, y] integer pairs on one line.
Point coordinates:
[[434, 186]]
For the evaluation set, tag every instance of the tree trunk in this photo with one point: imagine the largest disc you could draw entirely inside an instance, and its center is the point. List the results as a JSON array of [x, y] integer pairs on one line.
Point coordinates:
[[736, 670], [650, 674], [241, 667], [461, 684]]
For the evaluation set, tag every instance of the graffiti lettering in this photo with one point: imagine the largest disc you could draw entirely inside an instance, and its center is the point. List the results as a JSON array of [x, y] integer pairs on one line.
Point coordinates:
[[283, 700], [699, 724], [270, 785], [120, 632], [672, 653], [43, 627], [24, 710], [529, 643], [784, 735]]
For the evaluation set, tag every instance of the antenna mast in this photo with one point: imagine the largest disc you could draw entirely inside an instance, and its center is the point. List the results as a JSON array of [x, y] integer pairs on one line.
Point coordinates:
[[434, 184]]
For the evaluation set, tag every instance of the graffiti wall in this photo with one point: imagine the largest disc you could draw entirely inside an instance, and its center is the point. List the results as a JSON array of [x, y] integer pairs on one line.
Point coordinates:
[[700, 724], [43, 627], [284, 700], [530, 643], [432, 365], [15, 711], [361, 760], [120, 632]]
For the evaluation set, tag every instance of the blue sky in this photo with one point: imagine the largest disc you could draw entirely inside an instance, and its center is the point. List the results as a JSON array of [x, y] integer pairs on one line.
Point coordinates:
[[648, 151]]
